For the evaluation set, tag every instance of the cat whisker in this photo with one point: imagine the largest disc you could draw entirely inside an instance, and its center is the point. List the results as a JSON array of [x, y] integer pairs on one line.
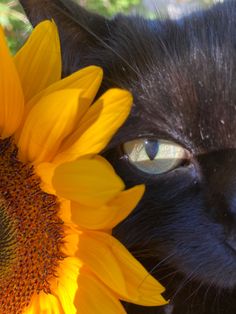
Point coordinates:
[[155, 267], [89, 31], [194, 293], [206, 293], [190, 277], [173, 273], [143, 253], [216, 302], [161, 262]]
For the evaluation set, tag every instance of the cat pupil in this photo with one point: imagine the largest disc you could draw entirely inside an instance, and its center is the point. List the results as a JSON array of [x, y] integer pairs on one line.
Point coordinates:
[[151, 148]]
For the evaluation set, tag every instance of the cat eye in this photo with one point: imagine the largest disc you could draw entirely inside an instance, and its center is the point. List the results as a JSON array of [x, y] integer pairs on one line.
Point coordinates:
[[155, 156]]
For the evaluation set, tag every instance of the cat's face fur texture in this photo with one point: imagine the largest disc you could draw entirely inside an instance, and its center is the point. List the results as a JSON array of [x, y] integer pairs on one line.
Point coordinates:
[[183, 78]]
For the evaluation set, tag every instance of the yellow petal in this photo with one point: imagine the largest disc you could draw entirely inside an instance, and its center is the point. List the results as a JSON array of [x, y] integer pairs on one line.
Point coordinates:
[[101, 261], [93, 297], [98, 125], [88, 80], [65, 285], [108, 215], [89, 182], [71, 241], [11, 95], [65, 212], [102, 159], [48, 123], [102, 253], [126, 201], [43, 303], [45, 171], [39, 60]]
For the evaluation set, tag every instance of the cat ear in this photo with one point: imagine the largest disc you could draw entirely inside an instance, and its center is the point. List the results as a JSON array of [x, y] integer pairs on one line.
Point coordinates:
[[79, 29]]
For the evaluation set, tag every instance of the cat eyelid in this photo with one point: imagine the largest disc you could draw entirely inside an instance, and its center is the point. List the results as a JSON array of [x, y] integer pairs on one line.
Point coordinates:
[[155, 157], [122, 139]]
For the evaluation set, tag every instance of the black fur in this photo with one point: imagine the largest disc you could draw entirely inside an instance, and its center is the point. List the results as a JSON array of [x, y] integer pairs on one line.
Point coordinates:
[[183, 78]]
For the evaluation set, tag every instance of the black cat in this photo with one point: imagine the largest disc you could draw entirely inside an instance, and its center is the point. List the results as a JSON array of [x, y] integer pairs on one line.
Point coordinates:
[[183, 78]]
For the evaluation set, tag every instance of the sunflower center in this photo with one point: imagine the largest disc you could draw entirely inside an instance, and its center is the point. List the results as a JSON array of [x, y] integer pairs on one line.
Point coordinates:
[[31, 233]]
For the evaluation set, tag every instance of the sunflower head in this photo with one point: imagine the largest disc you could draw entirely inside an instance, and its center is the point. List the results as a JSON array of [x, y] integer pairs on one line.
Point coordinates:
[[59, 200]]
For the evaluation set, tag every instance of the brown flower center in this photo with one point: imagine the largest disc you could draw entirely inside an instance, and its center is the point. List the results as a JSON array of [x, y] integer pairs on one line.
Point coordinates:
[[31, 233]]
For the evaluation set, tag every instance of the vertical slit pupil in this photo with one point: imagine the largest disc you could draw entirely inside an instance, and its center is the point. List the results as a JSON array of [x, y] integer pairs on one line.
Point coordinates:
[[151, 148]]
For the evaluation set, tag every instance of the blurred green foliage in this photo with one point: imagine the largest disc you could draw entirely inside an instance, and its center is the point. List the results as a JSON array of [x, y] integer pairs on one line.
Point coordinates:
[[14, 22], [109, 7], [17, 26]]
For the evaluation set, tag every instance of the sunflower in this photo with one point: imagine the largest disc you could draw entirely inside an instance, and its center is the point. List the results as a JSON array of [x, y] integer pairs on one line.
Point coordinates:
[[59, 200]]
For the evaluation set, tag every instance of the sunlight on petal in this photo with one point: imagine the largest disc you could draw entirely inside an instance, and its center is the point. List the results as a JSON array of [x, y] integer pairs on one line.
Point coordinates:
[[98, 125], [108, 215], [48, 123], [11, 95], [97, 257], [94, 297], [88, 80], [140, 287], [43, 303], [65, 286], [44, 54], [89, 182]]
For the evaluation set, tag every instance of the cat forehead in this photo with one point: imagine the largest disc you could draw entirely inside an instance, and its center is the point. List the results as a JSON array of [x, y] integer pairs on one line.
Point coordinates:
[[192, 96], [183, 80]]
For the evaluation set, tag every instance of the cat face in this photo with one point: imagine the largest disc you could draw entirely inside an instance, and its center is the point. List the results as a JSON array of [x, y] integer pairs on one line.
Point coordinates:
[[183, 78]]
